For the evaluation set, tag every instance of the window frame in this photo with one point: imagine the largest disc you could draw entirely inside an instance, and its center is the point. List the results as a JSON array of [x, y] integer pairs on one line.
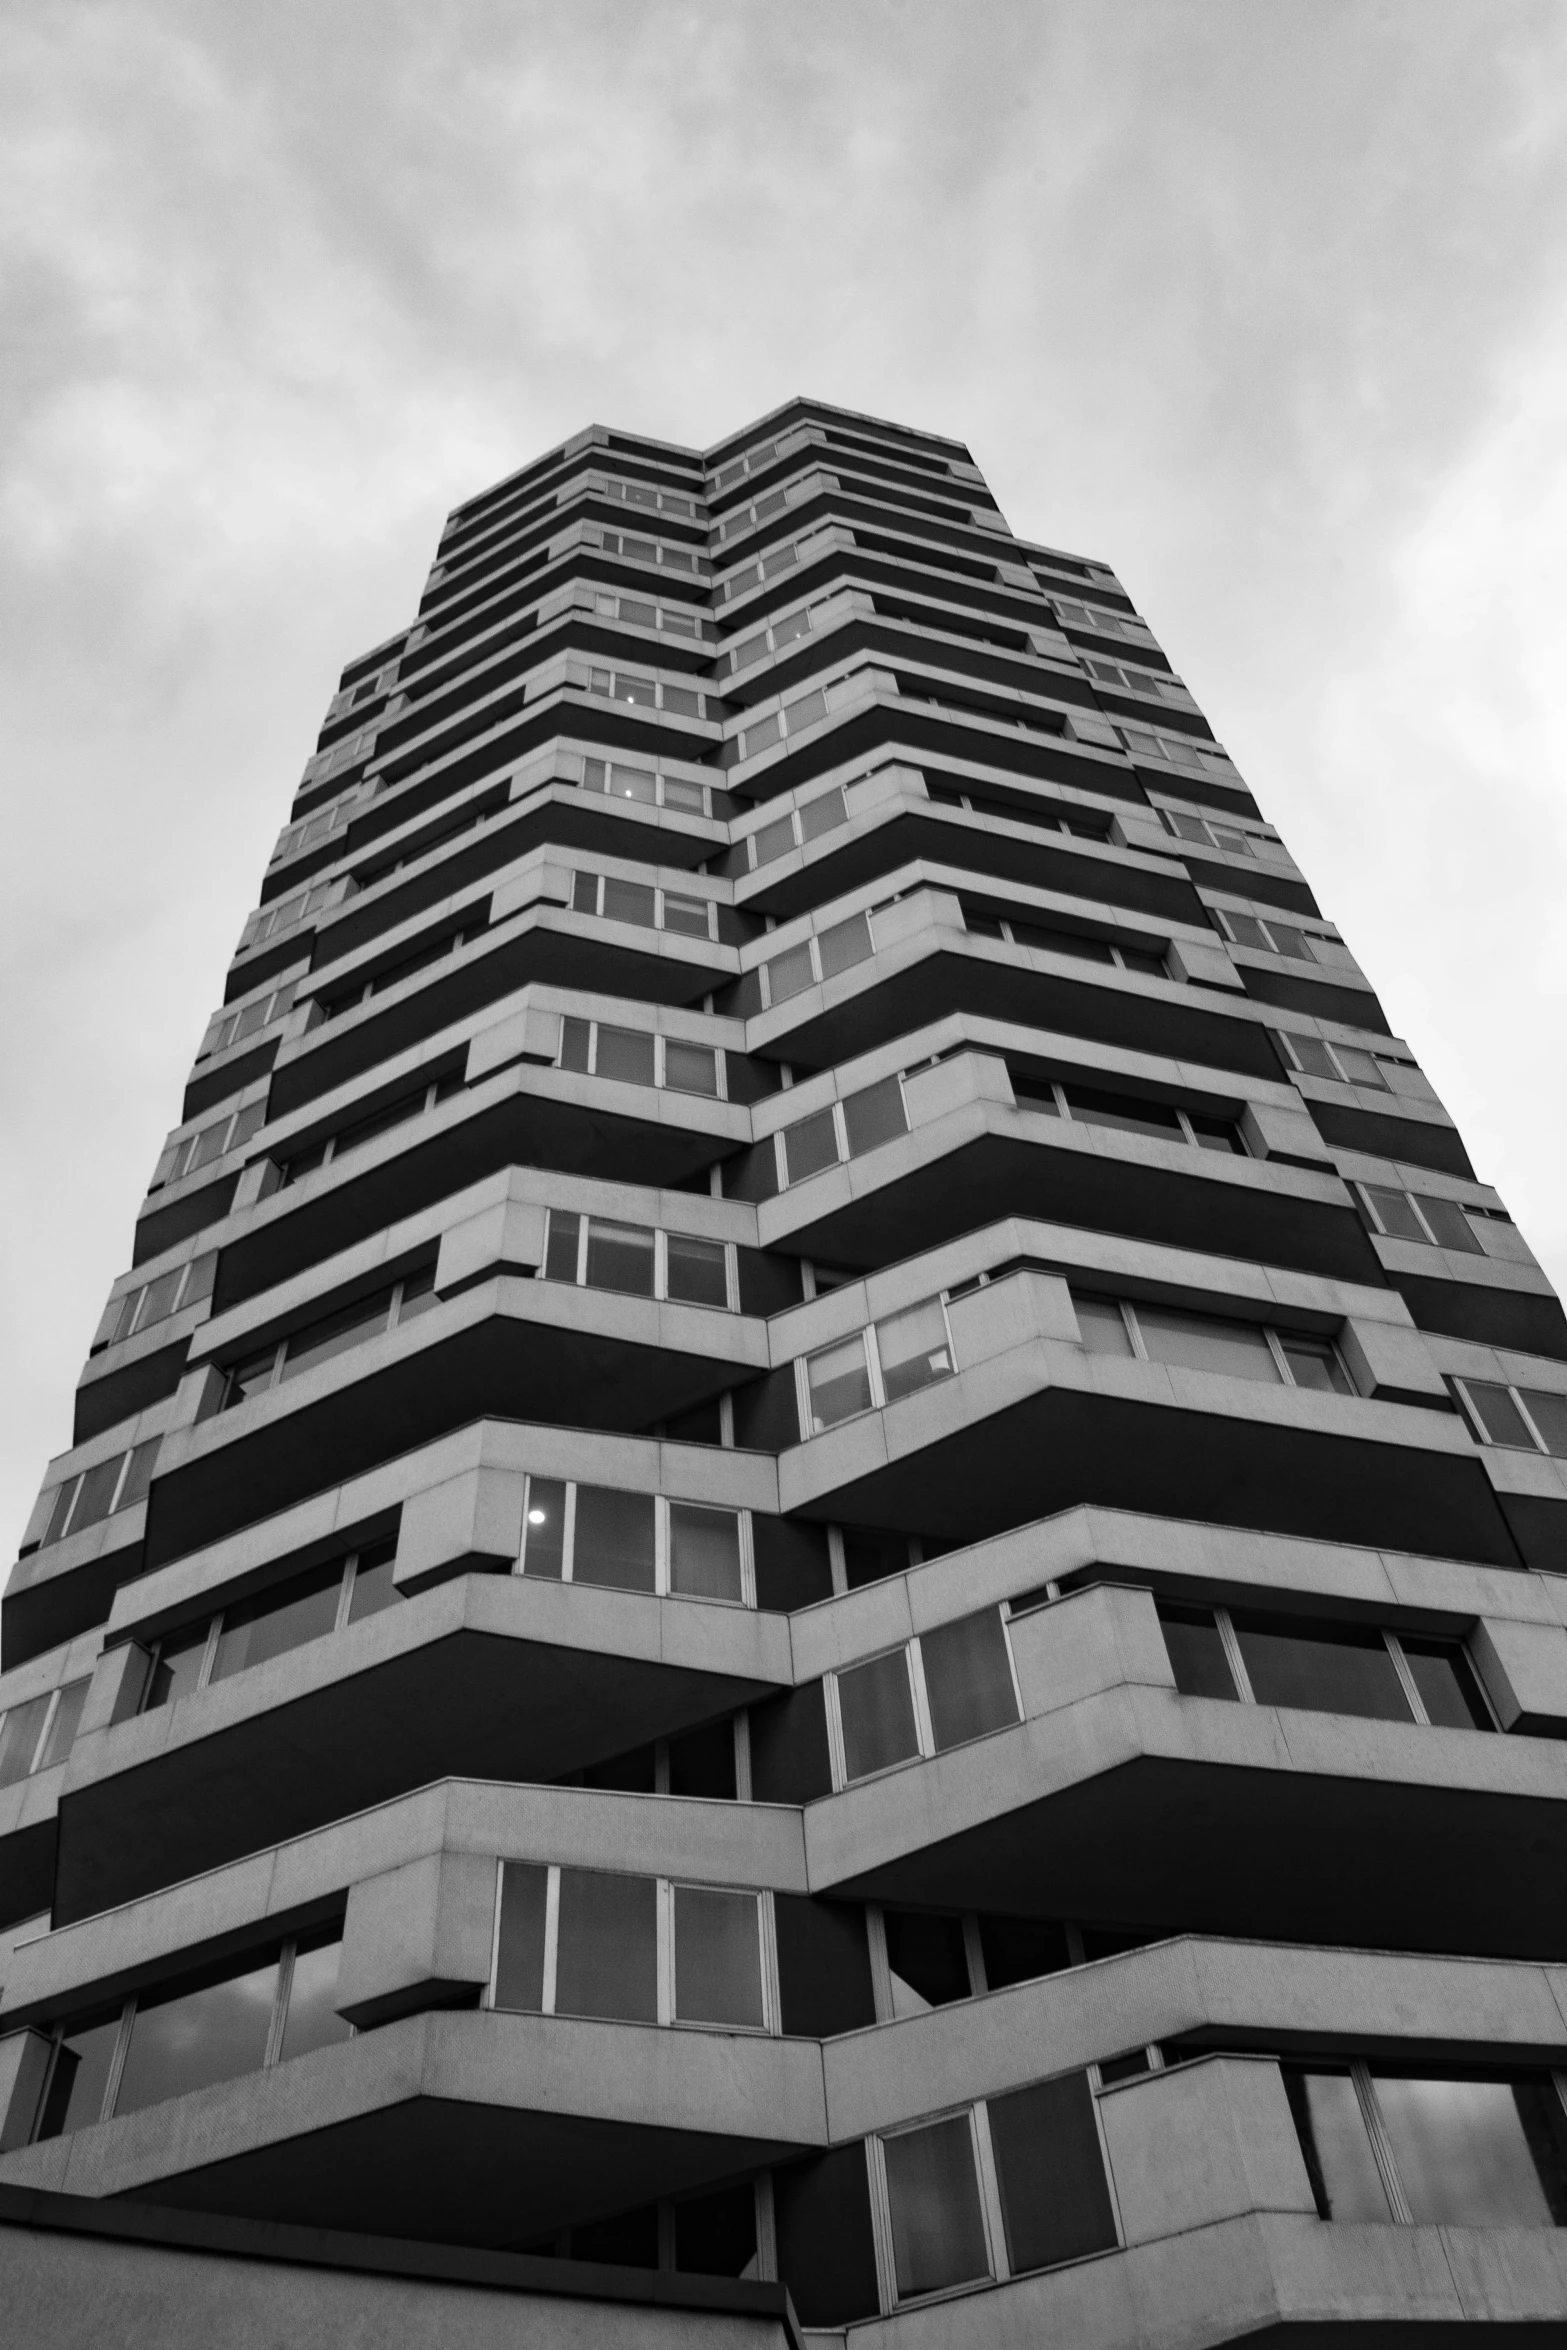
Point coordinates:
[[1461, 1382], [926, 1748], [659, 1042], [1004, 924], [351, 1565], [663, 1542], [1275, 1339], [665, 1889], [1391, 1640], [1056, 1088], [395, 1320], [1363, 1191], [51, 1714], [837, 1109], [661, 1234], [659, 893], [1384, 2154], [878, 1386]]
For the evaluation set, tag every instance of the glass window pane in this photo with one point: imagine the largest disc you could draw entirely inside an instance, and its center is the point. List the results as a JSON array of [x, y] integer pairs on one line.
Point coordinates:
[[688, 917], [1217, 1134], [560, 1249], [1055, 2203], [1395, 1214], [178, 1668], [1549, 1414], [1046, 940], [1247, 932], [704, 1552], [876, 1706], [1313, 1058], [374, 1584], [938, 2233], [278, 1620], [718, 1957], [138, 1475], [1019, 1950], [251, 1377], [1205, 1342], [607, 1947], [844, 945], [62, 1730], [823, 815], [1090, 1107], [1339, 1669], [1464, 2151], [715, 2235], [790, 973], [680, 794], [620, 1256], [914, 1349], [1314, 1364], [1196, 1651], [1361, 1068], [774, 840], [22, 1731], [839, 1383], [574, 1038], [613, 1541], [927, 1958], [519, 1966], [968, 1679], [625, 1054], [628, 901], [1102, 1324], [96, 1493], [1499, 1416], [1334, 2140], [1287, 940], [1449, 1224], [80, 2077], [157, 1299], [698, 1270], [189, 2039], [313, 2020], [1447, 1686], [544, 1532], [810, 1146], [874, 1116], [690, 1068], [335, 1333]]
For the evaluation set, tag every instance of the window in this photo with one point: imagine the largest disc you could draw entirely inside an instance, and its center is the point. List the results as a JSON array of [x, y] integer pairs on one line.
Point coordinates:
[[299, 837], [1273, 937], [636, 1056], [1432, 2150], [333, 1334], [592, 1942], [943, 1689], [598, 1253], [1521, 1419], [369, 1129], [1041, 938], [615, 900], [212, 2026], [641, 785], [1341, 1064], [1179, 749], [1228, 837], [1096, 622], [673, 619], [269, 920], [1322, 1667], [1409, 1215], [776, 560], [893, 1358], [272, 1622], [636, 1542], [231, 1028], [1211, 1342], [640, 550], [1040, 2199], [642, 493], [191, 1152], [641, 691], [778, 636], [795, 830], [101, 1491], [41, 1731], [793, 717], [1135, 681], [1087, 1105], [168, 1293], [1041, 815]]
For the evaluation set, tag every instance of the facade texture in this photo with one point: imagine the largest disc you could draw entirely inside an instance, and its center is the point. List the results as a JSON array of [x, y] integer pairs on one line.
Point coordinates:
[[812, 1576]]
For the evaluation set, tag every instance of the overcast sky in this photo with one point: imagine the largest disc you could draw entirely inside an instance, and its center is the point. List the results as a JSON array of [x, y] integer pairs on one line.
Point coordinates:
[[1260, 300]]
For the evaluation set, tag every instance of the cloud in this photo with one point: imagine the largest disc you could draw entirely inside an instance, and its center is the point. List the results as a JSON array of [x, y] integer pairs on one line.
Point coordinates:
[[1261, 304]]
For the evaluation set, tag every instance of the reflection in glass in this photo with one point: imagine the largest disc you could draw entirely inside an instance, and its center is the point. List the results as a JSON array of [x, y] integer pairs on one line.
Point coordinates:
[[1334, 2139], [968, 1679], [914, 1349], [613, 1541], [839, 1383], [1476, 2153], [876, 1705], [938, 2231], [79, 2079], [313, 2020], [607, 1946], [704, 1552], [187, 2040], [718, 1957]]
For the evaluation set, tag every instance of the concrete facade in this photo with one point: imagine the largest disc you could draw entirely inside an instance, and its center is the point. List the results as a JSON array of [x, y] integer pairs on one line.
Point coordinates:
[[813, 1581]]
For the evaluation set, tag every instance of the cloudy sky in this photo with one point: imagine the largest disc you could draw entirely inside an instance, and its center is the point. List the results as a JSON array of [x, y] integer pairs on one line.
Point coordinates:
[[1262, 300]]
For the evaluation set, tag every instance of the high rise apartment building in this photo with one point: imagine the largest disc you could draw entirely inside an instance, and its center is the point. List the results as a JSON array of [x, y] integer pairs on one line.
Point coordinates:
[[813, 1575]]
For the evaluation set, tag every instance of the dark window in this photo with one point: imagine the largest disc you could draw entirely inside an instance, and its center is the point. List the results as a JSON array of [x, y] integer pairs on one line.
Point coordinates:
[[560, 1253], [968, 1679], [704, 1552], [876, 1707], [1449, 1224], [519, 1972], [927, 1960], [718, 1957], [613, 1542], [545, 1533], [275, 1621], [715, 2235], [826, 2251], [620, 1257], [1448, 1689], [1054, 2198], [1019, 1950], [79, 2078], [1196, 1650], [698, 1272], [629, 2239], [625, 1054], [938, 2229], [870, 1555], [690, 1068], [607, 1946], [1342, 1669], [1133, 1116], [810, 1146], [702, 1762], [874, 1115], [187, 2039], [824, 1967]]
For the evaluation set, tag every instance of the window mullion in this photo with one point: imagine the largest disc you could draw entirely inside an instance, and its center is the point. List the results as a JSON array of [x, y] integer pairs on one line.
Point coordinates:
[[924, 1729], [660, 1546], [1406, 1679], [210, 1653], [345, 1590], [1233, 1656], [1133, 1332], [551, 1939], [1381, 2143], [665, 1896], [873, 1367], [989, 2191], [1527, 1417], [835, 1753], [111, 2087], [568, 1532], [285, 1986]]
